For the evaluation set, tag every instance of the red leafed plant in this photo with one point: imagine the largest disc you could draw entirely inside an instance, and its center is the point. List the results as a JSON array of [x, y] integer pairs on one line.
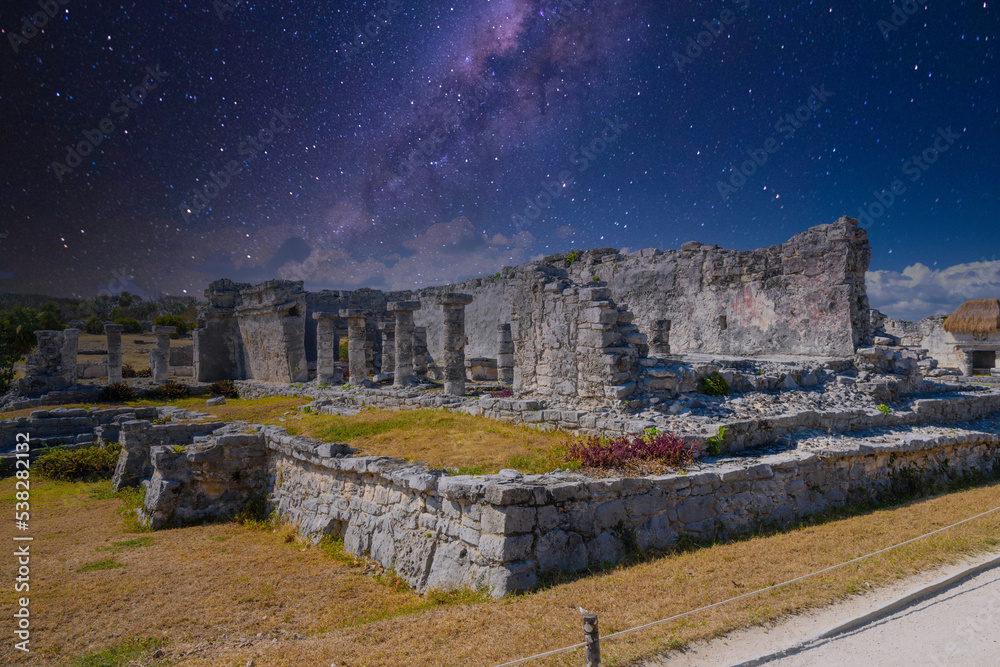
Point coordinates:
[[628, 451]]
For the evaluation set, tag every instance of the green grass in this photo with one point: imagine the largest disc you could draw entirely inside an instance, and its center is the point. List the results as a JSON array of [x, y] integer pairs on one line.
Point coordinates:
[[132, 499], [103, 564], [84, 464], [131, 544], [119, 655]]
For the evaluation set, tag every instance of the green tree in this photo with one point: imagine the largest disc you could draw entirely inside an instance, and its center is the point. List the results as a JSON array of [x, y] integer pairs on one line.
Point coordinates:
[[17, 338]]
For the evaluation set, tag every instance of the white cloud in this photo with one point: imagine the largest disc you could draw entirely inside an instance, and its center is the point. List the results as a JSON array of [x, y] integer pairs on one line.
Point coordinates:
[[446, 253], [920, 291]]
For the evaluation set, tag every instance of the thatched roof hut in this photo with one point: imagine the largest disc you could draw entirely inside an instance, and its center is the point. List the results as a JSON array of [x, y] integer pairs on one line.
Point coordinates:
[[975, 316]]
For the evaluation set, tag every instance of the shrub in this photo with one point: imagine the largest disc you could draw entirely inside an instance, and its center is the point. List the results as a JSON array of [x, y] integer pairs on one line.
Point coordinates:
[[173, 321], [170, 391], [132, 325], [572, 256], [713, 385], [129, 371], [93, 325], [884, 409], [623, 451], [79, 465], [117, 392], [224, 388]]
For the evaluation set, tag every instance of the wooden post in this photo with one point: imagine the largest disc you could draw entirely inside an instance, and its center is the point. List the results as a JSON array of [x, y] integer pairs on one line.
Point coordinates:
[[592, 638]]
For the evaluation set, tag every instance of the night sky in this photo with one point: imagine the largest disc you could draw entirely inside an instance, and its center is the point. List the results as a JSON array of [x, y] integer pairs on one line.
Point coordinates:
[[154, 146]]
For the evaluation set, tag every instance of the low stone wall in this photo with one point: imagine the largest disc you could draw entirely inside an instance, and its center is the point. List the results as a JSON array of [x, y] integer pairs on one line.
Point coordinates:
[[211, 478], [61, 426], [502, 531], [139, 437]]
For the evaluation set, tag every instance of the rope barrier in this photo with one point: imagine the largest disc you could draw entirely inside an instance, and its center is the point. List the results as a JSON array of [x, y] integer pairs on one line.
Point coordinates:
[[746, 595]]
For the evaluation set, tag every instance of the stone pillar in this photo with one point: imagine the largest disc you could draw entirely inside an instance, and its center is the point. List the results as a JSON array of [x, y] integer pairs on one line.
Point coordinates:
[[388, 329], [356, 348], [114, 333], [420, 352], [505, 355], [70, 346], [454, 341], [327, 371], [404, 340], [159, 358]]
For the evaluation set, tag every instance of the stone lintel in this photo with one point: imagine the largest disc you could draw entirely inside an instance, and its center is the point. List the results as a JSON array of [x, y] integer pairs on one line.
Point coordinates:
[[396, 306], [353, 313], [453, 299], [325, 315]]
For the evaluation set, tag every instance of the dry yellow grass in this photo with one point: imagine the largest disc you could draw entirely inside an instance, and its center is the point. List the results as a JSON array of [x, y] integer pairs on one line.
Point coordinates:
[[135, 347], [208, 591]]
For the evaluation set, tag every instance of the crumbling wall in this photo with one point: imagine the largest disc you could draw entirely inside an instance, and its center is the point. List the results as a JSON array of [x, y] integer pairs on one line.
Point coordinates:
[[806, 296], [272, 327], [44, 369], [211, 478], [503, 531], [218, 346], [569, 341]]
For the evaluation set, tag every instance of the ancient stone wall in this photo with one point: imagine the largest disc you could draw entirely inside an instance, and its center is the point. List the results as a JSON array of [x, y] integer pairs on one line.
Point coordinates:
[[806, 296], [503, 531], [218, 350], [272, 321]]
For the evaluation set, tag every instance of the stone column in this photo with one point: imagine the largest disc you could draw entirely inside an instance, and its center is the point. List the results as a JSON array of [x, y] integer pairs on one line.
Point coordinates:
[[70, 346], [454, 341], [327, 371], [404, 340], [159, 358], [505, 355], [356, 348], [420, 352], [388, 329], [114, 333]]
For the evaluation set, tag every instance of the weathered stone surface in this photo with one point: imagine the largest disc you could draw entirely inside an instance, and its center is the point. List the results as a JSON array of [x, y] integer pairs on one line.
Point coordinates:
[[114, 335]]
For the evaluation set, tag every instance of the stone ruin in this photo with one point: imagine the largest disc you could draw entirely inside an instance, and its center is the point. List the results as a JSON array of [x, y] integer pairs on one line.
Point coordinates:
[[586, 327], [827, 407]]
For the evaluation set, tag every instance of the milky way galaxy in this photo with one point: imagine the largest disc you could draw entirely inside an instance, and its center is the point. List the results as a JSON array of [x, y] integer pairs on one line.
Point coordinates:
[[392, 144]]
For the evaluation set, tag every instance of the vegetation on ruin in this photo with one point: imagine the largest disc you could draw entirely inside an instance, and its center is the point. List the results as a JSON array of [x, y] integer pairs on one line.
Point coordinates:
[[17, 336], [196, 584], [169, 391], [884, 409], [572, 256], [634, 453], [130, 371], [117, 392], [713, 385], [224, 388], [77, 465]]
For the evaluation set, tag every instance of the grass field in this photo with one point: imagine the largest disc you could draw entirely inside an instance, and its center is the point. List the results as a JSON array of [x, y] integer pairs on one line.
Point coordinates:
[[471, 445], [135, 349], [105, 593]]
